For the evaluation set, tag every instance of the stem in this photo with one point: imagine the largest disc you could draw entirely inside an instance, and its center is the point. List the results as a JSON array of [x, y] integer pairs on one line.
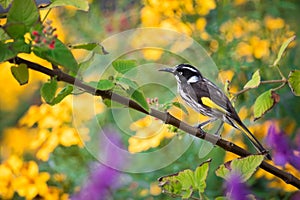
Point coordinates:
[[273, 81], [164, 116], [282, 76], [43, 20], [283, 81], [279, 87]]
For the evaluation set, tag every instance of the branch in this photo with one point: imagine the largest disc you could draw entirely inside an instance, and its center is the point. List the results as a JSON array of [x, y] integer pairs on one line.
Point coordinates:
[[283, 81], [164, 116]]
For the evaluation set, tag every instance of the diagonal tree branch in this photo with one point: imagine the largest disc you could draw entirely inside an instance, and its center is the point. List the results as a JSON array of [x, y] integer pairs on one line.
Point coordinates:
[[164, 116]]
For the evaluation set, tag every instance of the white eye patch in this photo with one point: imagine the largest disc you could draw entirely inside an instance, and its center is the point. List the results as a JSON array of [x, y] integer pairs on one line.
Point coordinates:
[[193, 79], [191, 69]]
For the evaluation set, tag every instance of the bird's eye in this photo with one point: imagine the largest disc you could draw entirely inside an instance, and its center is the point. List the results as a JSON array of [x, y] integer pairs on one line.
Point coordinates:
[[180, 73]]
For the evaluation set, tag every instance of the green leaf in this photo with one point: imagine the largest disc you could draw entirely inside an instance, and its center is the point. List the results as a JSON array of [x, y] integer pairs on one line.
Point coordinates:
[[23, 12], [264, 103], [94, 47], [282, 49], [5, 3], [223, 171], [6, 52], [170, 184], [124, 66], [20, 73], [245, 166], [15, 30], [11, 49], [86, 63], [139, 97], [294, 82], [254, 81], [105, 85], [186, 181], [62, 94], [79, 4], [102, 84], [48, 90], [201, 173], [107, 102], [3, 35], [60, 55], [19, 46], [128, 82]]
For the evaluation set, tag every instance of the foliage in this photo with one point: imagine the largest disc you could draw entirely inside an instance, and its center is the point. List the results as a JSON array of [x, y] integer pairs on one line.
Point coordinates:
[[48, 149]]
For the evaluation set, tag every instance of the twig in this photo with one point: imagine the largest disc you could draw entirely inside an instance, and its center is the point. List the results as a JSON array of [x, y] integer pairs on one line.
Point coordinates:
[[164, 116], [283, 81]]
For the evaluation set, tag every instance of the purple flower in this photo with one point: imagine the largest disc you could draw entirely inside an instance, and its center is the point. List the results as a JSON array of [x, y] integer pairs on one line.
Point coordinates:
[[282, 148], [295, 196], [102, 178], [236, 189]]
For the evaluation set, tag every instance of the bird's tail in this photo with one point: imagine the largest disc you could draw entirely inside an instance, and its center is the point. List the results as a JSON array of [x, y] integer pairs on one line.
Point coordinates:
[[253, 139]]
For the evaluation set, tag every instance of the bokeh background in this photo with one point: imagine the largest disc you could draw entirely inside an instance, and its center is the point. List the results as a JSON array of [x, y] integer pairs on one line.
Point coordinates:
[[43, 153]]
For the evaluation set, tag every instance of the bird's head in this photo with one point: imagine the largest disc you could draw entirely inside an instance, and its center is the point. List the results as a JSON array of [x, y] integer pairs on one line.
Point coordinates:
[[184, 73]]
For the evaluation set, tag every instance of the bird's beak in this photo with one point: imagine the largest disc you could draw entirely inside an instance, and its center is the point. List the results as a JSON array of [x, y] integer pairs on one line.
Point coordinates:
[[171, 70]]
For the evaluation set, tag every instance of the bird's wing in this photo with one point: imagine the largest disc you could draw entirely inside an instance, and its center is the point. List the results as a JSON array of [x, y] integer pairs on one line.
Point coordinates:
[[211, 96]]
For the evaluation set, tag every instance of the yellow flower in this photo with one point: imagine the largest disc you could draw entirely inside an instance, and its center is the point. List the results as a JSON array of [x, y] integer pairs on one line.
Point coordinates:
[[55, 193], [204, 36], [149, 134], [260, 47], [15, 163], [16, 141], [214, 45], [31, 183], [273, 23], [25, 179], [175, 25], [50, 142], [188, 6], [152, 54], [52, 126], [6, 176], [244, 50], [144, 192], [8, 171], [204, 7], [226, 75], [200, 24], [150, 17], [155, 189], [237, 28], [68, 136], [168, 15]]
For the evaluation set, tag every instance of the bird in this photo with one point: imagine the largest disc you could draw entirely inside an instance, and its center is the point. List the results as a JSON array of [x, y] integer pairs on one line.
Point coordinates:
[[206, 98]]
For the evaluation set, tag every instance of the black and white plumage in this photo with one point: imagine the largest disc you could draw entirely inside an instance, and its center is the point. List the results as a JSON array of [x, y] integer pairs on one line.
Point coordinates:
[[206, 98]]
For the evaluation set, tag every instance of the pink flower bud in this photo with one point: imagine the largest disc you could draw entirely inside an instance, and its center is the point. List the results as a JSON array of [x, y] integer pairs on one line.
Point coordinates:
[[51, 46], [35, 33]]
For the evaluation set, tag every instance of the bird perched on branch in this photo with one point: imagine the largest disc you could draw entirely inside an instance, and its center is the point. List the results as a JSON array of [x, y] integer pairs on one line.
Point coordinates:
[[206, 98]]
